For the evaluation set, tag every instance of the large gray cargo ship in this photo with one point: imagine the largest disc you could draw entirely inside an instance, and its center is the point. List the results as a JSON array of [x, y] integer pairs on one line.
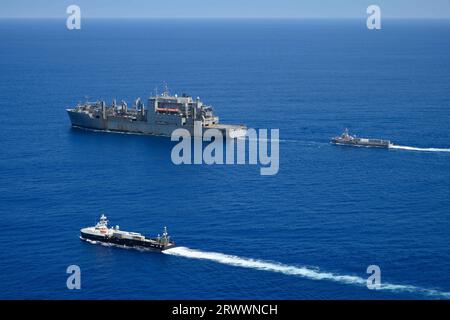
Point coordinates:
[[163, 114]]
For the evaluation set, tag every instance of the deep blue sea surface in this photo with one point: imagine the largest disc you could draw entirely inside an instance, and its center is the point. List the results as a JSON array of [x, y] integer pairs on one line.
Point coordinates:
[[308, 232]]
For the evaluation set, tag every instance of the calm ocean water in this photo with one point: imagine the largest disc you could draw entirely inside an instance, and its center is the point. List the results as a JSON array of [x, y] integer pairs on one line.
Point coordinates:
[[308, 232]]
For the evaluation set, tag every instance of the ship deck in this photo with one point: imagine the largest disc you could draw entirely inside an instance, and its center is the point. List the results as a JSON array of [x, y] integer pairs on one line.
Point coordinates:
[[227, 126]]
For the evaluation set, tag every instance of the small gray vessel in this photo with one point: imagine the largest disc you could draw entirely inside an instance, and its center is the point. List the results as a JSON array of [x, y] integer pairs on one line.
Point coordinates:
[[348, 140]]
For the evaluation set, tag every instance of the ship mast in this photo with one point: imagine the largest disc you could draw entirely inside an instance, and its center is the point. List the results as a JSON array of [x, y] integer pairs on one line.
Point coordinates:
[[166, 90]]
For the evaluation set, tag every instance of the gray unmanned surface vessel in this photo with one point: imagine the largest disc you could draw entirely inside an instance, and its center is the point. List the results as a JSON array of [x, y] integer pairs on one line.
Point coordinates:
[[349, 140]]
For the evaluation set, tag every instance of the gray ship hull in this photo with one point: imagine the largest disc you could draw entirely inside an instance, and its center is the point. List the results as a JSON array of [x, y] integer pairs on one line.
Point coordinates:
[[163, 125], [360, 142], [84, 120], [130, 243]]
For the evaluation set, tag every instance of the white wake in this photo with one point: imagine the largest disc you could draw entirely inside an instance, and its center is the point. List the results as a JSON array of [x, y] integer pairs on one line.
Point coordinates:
[[309, 273], [419, 149]]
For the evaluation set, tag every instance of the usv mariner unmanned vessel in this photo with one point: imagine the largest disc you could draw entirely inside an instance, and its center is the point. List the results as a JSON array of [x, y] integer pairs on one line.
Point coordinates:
[[349, 140]]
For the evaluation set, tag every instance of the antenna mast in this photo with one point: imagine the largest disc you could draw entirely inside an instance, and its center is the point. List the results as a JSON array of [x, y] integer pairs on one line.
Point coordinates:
[[166, 89]]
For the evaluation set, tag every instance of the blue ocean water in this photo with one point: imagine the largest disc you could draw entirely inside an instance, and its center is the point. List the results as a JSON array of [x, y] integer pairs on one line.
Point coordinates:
[[308, 232]]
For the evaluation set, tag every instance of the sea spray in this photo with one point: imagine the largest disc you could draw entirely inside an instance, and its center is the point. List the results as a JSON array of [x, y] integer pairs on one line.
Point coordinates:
[[309, 273], [419, 149]]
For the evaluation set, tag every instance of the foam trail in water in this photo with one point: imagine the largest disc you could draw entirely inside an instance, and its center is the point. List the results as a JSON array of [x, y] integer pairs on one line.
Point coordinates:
[[419, 149], [313, 274], [263, 140], [305, 142]]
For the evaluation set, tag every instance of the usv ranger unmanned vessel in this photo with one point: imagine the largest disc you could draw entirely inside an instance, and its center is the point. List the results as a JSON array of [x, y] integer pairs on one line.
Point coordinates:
[[102, 234]]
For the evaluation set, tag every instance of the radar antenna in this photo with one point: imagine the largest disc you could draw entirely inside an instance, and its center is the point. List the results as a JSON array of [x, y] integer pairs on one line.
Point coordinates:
[[137, 103], [166, 89], [165, 236]]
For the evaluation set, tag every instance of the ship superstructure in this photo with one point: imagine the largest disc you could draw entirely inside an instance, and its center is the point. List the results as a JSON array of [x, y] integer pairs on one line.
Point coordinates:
[[163, 114], [101, 233]]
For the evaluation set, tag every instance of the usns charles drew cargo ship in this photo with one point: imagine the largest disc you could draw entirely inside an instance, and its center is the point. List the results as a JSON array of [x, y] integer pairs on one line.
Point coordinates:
[[161, 117]]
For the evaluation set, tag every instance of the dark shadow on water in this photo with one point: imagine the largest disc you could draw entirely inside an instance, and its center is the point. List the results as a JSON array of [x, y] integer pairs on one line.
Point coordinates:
[[104, 138]]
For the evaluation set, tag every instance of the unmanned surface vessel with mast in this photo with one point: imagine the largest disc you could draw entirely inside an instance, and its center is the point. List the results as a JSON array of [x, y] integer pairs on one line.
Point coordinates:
[[346, 139], [101, 233]]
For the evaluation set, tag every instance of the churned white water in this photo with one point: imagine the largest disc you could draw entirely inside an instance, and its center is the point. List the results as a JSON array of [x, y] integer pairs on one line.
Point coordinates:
[[313, 274]]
